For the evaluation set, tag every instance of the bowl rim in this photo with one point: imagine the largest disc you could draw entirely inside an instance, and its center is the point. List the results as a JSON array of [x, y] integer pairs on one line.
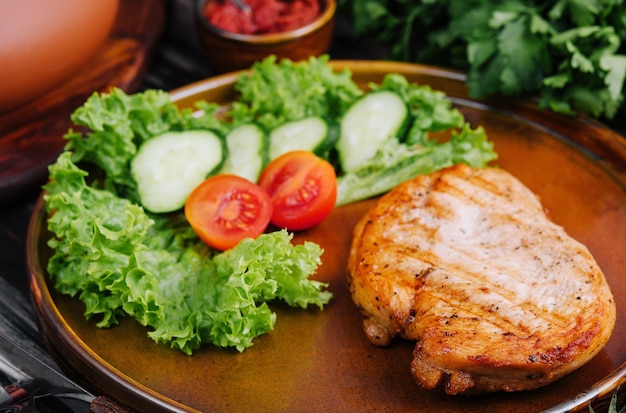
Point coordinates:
[[327, 14]]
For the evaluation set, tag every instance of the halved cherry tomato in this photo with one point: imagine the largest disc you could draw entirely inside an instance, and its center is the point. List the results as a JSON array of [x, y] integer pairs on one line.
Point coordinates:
[[225, 209], [303, 189]]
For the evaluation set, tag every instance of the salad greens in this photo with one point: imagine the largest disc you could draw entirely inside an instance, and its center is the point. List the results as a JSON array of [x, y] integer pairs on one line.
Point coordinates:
[[401, 158], [310, 89], [396, 162], [571, 53], [313, 89], [121, 260]]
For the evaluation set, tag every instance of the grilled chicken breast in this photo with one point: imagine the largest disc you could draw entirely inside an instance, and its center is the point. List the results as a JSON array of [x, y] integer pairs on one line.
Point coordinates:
[[467, 263]]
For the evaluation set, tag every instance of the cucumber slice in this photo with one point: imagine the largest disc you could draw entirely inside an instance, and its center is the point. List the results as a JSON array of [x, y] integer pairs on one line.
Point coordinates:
[[169, 166], [313, 134], [368, 123], [247, 151]]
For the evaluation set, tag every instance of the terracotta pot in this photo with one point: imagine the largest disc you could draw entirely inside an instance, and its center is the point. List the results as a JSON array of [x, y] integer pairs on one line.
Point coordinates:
[[45, 42]]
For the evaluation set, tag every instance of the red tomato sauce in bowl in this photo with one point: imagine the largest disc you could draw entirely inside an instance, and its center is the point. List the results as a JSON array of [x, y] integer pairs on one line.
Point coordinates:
[[265, 16]]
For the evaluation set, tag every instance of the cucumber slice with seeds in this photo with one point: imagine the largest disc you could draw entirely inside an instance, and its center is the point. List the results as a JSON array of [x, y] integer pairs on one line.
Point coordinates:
[[247, 151], [369, 122], [169, 166], [312, 133]]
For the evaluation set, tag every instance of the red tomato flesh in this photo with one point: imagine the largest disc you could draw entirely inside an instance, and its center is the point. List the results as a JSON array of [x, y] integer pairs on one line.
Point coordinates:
[[225, 209], [302, 187]]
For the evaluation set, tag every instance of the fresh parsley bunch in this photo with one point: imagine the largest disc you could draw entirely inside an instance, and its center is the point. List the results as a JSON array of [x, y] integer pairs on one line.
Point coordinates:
[[570, 53]]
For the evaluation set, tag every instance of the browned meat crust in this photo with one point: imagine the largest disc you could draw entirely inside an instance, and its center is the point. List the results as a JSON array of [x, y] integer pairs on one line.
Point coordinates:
[[467, 263]]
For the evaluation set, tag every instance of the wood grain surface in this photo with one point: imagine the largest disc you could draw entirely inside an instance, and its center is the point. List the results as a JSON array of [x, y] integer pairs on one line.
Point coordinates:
[[31, 137]]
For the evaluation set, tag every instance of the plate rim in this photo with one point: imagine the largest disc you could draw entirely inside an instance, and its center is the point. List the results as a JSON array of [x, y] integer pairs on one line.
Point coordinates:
[[43, 301]]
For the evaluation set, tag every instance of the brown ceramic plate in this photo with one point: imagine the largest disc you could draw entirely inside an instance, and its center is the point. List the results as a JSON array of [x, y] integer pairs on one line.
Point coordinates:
[[321, 361]]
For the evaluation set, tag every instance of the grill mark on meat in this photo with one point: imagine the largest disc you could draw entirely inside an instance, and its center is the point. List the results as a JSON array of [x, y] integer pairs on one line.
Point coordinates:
[[466, 258], [482, 196]]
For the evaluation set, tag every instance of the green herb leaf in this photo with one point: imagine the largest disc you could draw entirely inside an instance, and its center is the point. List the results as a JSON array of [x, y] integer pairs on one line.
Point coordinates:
[[568, 52]]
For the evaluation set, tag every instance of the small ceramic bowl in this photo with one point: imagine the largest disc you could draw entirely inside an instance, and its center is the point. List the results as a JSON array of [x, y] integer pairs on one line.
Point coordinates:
[[44, 43], [229, 51]]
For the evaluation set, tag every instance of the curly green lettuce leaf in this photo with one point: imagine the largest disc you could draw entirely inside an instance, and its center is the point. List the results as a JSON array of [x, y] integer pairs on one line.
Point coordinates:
[[116, 124], [275, 92], [431, 110], [286, 267], [397, 162], [122, 262], [417, 152]]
